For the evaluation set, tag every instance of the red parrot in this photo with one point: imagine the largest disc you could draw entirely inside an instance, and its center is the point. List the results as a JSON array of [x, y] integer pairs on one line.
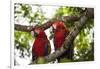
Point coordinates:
[[60, 33], [41, 46]]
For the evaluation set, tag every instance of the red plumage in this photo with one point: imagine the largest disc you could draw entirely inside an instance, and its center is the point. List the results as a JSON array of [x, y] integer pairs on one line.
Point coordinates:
[[41, 45], [60, 34]]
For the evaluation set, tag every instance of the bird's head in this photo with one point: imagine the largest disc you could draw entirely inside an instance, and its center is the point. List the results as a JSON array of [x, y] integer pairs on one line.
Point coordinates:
[[58, 25], [35, 31]]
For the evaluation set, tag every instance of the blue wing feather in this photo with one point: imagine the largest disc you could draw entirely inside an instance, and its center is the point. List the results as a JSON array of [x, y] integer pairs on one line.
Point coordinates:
[[46, 49]]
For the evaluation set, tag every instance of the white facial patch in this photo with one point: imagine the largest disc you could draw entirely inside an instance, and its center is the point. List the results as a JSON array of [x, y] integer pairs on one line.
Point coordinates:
[[54, 26], [32, 33]]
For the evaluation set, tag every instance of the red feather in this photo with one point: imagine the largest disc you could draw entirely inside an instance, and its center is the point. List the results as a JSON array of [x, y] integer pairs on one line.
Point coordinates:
[[39, 46], [60, 34]]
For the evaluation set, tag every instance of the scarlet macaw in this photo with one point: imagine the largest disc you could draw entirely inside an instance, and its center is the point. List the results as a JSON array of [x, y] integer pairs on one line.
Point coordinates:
[[60, 33], [41, 46]]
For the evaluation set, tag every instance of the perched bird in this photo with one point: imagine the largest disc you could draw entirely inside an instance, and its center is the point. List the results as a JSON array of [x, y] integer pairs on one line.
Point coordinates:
[[41, 46], [60, 33]]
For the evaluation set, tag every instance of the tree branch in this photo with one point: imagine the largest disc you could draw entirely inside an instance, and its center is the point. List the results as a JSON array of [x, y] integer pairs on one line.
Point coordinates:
[[45, 25], [23, 28]]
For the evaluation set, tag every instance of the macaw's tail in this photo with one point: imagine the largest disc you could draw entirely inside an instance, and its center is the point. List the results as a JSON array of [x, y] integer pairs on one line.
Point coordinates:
[[41, 60]]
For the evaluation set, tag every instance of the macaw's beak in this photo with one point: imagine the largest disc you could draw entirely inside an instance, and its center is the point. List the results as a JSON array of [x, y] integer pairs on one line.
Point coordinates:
[[34, 34]]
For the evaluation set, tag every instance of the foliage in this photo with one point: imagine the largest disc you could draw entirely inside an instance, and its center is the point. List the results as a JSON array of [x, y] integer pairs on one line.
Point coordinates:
[[22, 42]]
